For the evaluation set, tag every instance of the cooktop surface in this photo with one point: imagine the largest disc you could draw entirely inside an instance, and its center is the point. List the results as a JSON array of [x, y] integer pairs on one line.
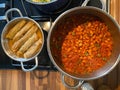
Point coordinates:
[[45, 19]]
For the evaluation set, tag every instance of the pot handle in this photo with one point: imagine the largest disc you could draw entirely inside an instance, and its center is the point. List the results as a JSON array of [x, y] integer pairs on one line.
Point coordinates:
[[10, 10], [84, 86], [103, 5], [72, 87], [86, 2], [31, 69]]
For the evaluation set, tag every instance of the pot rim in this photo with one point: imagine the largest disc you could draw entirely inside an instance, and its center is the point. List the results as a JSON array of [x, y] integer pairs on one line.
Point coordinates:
[[49, 35], [41, 3], [2, 40]]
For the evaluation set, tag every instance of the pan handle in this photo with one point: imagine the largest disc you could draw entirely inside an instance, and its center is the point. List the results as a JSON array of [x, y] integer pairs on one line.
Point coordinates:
[[31, 69], [72, 87], [11, 10], [86, 2], [103, 5], [84, 86]]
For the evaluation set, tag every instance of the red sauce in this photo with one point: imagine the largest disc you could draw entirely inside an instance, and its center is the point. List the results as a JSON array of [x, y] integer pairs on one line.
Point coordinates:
[[83, 44]]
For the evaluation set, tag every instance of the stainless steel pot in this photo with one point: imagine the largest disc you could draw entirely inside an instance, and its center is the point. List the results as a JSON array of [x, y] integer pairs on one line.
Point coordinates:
[[4, 41], [114, 30], [50, 7]]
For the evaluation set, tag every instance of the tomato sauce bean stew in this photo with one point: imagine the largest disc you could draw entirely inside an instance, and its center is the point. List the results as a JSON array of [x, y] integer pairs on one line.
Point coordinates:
[[82, 43]]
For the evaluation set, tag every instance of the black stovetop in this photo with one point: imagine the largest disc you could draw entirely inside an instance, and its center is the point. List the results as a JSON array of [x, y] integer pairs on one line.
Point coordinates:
[[41, 17]]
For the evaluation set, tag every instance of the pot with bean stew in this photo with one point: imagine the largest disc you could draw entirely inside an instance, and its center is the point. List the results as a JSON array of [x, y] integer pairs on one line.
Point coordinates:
[[82, 46], [83, 43]]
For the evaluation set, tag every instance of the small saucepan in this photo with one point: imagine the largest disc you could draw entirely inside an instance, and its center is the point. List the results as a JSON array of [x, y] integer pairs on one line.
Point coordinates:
[[7, 42]]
